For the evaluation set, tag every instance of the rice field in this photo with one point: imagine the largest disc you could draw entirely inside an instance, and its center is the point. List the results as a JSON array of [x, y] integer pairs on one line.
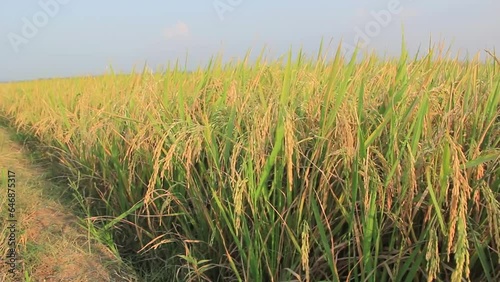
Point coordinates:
[[301, 169]]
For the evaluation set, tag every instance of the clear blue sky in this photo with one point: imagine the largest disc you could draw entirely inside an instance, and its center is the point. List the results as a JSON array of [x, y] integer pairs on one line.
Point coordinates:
[[76, 37]]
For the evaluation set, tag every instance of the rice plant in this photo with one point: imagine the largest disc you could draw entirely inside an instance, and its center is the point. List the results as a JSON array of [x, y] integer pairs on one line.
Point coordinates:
[[306, 169]]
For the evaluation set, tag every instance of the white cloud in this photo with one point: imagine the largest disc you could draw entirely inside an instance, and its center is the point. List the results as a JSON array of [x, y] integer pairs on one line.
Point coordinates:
[[180, 29]]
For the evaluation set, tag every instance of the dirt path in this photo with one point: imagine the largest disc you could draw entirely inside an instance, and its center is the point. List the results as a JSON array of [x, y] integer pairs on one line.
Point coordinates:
[[51, 246]]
